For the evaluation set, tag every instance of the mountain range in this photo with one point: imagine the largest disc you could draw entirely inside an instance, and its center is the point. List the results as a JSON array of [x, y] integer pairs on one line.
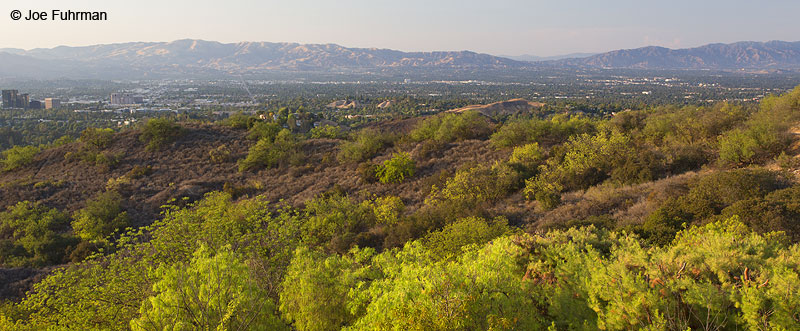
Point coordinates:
[[187, 58], [740, 55]]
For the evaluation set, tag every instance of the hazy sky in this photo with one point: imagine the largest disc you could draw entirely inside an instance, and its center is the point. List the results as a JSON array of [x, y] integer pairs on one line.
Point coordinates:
[[507, 27]]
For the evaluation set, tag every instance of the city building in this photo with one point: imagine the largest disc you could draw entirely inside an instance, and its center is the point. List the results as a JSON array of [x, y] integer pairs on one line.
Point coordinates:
[[9, 98], [35, 104], [51, 103], [23, 100], [125, 99], [13, 99]]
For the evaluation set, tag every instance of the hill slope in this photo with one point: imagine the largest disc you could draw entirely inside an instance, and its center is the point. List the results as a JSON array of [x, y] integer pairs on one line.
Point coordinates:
[[503, 108]]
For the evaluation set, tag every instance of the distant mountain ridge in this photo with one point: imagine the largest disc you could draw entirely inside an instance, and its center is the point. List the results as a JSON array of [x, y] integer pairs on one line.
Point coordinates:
[[188, 54], [535, 58], [740, 55], [199, 58]]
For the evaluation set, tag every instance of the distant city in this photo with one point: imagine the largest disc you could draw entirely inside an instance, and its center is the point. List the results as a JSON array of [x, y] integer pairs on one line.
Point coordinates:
[[12, 99]]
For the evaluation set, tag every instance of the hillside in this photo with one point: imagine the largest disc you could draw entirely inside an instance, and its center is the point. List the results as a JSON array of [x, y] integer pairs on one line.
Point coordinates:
[[503, 108], [184, 169], [522, 223]]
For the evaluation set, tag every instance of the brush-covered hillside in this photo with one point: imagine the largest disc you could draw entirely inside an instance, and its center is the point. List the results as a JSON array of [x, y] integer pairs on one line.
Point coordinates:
[[666, 218]]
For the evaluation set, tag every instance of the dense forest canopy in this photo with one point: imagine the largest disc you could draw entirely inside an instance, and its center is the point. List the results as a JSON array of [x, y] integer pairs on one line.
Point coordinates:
[[660, 218]]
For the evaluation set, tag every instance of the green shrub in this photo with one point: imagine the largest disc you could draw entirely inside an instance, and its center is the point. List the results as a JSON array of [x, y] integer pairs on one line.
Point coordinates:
[[263, 154], [326, 131], [334, 220], [269, 154], [547, 193], [105, 160], [368, 171], [554, 130], [583, 161], [31, 235], [451, 127], [764, 135], [139, 171], [526, 159], [709, 195], [158, 132], [396, 169], [316, 290], [388, 210], [102, 216], [18, 156], [690, 125], [363, 145], [61, 141], [448, 242], [263, 130], [475, 186], [239, 121], [219, 155], [118, 184], [97, 139], [215, 285]]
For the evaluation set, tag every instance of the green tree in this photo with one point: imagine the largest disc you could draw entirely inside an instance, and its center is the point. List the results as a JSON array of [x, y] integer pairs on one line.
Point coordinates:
[[263, 130], [526, 159], [326, 131], [481, 290], [102, 216], [96, 138], [396, 169], [158, 132], [316, 290], [270, 154], [18, 156], [362, 146], [32, 235], [450, 127], [212, 291]]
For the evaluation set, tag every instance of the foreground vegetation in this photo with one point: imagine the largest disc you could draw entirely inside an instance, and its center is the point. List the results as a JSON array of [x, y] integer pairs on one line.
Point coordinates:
[[669, 218]]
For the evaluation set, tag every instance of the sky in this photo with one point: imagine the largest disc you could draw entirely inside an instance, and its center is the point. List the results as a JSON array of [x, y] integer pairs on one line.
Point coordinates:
[[499, 27]]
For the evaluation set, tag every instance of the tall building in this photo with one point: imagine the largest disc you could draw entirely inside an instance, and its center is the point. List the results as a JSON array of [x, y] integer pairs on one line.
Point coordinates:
[[10, 98], [125, 99], [50, 103], [23, 100], [13, 99]]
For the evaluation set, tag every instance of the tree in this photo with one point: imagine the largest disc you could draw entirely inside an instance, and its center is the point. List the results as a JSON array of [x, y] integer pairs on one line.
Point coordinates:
[[396, 169], [316, 289], [452, 127], [526, 159], [271, 153], [158, 132], [30, 235], [363, 145], [212, 291], [18, 156], [480, 290], [326, 131], [102, 216], [263, 130]]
